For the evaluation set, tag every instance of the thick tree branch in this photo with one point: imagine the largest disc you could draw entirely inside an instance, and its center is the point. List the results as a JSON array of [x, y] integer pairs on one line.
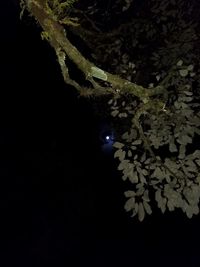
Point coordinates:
[[57, 37]]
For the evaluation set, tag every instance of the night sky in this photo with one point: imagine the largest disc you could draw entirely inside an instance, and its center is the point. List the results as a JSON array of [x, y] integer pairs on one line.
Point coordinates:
[[61, 197]]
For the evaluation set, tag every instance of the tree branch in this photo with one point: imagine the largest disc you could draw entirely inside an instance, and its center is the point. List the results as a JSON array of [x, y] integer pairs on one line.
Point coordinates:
[[57, 37]]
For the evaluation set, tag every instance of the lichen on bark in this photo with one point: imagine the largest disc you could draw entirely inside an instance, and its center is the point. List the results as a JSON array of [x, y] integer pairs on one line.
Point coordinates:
[[45, 12]]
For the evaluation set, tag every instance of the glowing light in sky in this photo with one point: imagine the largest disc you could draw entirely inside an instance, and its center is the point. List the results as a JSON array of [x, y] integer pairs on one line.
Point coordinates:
[[106, 137]]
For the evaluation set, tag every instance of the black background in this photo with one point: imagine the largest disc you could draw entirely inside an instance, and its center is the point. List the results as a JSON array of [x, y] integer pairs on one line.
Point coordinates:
[[61, 198]]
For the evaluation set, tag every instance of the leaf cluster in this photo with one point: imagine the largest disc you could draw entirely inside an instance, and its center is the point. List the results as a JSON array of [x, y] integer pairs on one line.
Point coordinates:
[[173, 176]]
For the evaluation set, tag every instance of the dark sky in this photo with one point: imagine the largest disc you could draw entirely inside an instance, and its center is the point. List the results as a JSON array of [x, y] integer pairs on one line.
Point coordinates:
[[61, 198]]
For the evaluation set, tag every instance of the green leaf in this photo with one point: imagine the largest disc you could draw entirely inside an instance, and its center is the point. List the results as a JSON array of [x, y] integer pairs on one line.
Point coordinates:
[[123, 115], [120, 154], [177, 105], [135, 210], [133, 177], [140, 191], [158, 197], [145, 172], [188, 194], [198, 179], [182, 151], [197, 131], [142, 179], [192, 74], [190, 67], [137, 142], [147, 207], [129, 193], [157, 173], [133, 147], [130, 204], [197, 161], [162, 205], [188, 211], [160, 200], [196, 210], [183, 72], [145, 197], [130, 153], [179, 63], [114, 113], [118, 145], [188, 93], [170, 205], [143, 158], [98, 73], [172, 147], [123, 164], [141, 213]]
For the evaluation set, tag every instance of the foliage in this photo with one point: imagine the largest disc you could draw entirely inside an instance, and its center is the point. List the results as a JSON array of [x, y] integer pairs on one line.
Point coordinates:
[[157, 153], [154, 89], [173, 177]]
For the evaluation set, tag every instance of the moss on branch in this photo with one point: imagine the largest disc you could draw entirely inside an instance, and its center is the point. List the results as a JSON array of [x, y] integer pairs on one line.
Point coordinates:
[[57, 37]]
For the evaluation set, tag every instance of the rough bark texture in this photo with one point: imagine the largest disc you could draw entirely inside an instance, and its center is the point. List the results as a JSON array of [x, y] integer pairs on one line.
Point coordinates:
[[57, 37]]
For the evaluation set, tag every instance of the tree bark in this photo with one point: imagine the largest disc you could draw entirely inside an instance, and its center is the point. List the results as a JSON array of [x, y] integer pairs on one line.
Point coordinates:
[[57, 37]]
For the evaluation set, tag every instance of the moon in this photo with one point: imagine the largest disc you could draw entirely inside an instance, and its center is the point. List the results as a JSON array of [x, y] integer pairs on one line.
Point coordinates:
[[107, 137]]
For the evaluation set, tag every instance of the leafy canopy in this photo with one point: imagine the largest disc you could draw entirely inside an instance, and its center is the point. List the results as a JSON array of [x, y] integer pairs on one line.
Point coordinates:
[[144, 59]]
